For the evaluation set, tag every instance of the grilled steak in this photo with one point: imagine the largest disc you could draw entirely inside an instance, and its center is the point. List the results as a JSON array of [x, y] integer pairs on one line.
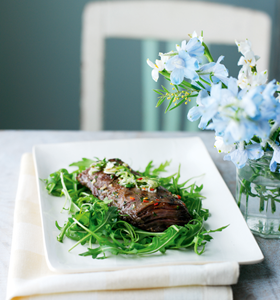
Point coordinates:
[[148, 209]]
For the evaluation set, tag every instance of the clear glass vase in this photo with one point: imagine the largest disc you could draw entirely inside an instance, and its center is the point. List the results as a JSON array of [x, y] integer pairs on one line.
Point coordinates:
[[258, 196]]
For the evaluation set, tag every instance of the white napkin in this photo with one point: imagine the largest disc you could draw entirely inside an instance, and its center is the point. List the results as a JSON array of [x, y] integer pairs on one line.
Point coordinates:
[[30, 278]]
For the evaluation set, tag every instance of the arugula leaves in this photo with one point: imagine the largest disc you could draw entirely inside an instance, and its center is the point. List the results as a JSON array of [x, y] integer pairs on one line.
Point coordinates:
[[99, 225], [82, 165]]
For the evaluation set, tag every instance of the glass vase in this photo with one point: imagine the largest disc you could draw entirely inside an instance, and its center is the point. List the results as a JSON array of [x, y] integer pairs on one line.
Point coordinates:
[[258, 196]]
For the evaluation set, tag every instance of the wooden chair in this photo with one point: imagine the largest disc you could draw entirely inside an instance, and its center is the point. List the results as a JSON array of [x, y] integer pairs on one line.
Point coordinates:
[[159, 20]]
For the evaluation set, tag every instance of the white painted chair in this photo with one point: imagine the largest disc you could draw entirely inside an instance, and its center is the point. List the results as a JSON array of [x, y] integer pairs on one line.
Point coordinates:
[[159, 20]]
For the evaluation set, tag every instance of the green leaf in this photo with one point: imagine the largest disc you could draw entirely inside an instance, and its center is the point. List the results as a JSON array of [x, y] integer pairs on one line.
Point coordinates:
[[200, 84], [148, 169], [162, 168], [169, 104], [158, 92], [166, 90], [82, 164], [160, 101], [181, 102], [186, 85]]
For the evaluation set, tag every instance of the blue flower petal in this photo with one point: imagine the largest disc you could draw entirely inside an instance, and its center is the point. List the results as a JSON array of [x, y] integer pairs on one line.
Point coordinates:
[[183, 54], [169, 66], [238, 157], [201, 96], [208, 115], [206, 67], [273, 165], [275, 159], [194, 113], [263, 129], [232, 85], [216, 91], [270, 89], [192, 63], [194, 47], [190, 74], [254, 151], [219, 78], [177, 76]]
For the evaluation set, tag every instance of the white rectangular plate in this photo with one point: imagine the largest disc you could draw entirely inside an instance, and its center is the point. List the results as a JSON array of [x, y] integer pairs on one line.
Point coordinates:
[[235, 243]]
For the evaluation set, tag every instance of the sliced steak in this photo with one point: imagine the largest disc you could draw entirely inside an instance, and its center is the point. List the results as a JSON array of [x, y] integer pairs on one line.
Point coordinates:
[[150, 211]]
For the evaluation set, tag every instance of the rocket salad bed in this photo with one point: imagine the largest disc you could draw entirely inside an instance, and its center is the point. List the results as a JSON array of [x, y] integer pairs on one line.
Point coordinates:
[[95, 222]]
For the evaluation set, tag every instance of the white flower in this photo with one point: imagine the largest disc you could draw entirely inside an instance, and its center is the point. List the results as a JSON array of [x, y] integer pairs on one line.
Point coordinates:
[[221, 146], [158, 66], [248, 60], [168, 54], [259, 78], [248, 79], [194, 34], [182, 47], [244, 47], [243, 79]]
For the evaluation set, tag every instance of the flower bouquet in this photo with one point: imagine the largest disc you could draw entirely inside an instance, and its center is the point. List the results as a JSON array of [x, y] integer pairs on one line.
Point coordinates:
[[245, 114]]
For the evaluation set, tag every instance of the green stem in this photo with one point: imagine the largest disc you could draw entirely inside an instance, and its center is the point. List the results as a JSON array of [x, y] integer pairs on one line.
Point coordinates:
[[89, 231], [67, 196], [261, 208], [273, 205], [78, 191], [80, 241], [206, 82], [224, 86], [183, 84], [240, 192], [63, 230], [207, 52]]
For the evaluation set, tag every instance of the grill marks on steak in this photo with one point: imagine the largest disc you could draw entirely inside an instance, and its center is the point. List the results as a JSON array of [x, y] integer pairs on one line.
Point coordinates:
[[148, 216]]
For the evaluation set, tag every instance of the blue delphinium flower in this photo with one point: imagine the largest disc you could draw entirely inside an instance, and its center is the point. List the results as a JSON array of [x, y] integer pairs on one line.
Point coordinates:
[[193, 47], [251, 102], [260, 106], [219, 124], [217, 71], [207, 106], [240, 115], [197, 111], [233, 130], [240, 156], [210, 107], [239, 130], [182, 65]]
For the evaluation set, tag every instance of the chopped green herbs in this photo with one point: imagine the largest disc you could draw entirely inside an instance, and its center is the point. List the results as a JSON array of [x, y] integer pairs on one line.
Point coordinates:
[[124, 173], [93, 222]]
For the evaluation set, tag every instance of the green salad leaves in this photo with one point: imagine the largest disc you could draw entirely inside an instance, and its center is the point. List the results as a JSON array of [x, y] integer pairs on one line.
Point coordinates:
[[99, 225]]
